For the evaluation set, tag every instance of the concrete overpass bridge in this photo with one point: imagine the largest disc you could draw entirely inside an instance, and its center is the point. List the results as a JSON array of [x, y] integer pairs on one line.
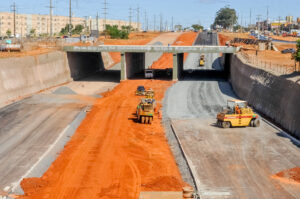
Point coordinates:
[[133, 57]]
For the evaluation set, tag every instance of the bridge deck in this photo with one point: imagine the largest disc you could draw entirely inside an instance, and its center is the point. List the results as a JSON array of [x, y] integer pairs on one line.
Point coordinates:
[[142, 49]]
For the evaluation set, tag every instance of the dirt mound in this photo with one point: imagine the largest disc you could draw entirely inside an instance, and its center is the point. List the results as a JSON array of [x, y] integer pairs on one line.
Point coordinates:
[[64, 91], [290, 175], [35, 184]]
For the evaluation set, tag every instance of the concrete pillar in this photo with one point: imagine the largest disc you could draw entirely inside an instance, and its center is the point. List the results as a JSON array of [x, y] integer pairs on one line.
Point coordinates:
[[123, 67], [227, 64], [177, 65]]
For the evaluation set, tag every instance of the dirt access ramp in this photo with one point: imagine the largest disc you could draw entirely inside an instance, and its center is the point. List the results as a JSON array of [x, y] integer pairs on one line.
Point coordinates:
[[111, 155], [166, 60]]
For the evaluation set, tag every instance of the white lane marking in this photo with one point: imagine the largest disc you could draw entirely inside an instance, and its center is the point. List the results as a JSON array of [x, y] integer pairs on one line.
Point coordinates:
[[16, 184]]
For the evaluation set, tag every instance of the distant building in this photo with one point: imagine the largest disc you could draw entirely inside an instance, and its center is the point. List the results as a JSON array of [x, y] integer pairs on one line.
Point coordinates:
[[41, 23], [289, 19], [277, 24], [298, 20]]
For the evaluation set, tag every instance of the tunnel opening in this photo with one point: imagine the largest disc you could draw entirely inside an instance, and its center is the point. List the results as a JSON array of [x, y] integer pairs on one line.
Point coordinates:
[[148, 66], [89, 66]]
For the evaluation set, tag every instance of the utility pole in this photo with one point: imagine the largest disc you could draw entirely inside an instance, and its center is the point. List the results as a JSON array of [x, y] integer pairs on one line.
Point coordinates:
[[166, 26], [51, 13], [250, 17], [258, 22], [104, 14], [145, 22], [154, 23], [172, 24], [70, 17], [97, 22], [130, 16], [138, 18], [14, 10], [161, 23], [279, 25]]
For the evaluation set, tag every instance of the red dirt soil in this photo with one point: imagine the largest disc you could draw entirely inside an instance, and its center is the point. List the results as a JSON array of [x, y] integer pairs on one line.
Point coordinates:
[[111, 155], [291, 176], [166, 60]]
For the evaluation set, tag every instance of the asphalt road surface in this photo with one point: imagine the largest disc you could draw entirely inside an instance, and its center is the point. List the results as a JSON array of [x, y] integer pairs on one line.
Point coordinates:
[[33, 126], [228, 163]]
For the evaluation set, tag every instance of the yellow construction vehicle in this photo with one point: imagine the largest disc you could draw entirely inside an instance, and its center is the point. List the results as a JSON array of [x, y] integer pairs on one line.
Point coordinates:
[[140, 91], [237, 114], [145, 111], [149, 94], [202, 61]]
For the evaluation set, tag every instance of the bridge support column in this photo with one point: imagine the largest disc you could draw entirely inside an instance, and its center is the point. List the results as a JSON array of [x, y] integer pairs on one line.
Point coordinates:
[[123, 67], [177, 65]]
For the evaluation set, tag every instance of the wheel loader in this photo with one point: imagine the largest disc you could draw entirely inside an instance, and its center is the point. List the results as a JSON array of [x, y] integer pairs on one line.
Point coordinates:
[[145, 111], [237, 114], [150, 94], [202, 60]]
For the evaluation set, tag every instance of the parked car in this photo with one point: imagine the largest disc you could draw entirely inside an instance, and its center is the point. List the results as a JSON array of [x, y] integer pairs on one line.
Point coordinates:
[[288, 50]]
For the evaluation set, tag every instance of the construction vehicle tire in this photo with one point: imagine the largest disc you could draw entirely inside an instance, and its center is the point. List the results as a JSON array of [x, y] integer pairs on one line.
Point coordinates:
[[225, 125], [252, 123], [150, 120], [143, 120], [146, 120], [256, 123]]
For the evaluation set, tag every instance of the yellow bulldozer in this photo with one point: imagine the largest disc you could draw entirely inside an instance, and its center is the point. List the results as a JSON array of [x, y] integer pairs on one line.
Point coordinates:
[[145, 111], [237, 114]]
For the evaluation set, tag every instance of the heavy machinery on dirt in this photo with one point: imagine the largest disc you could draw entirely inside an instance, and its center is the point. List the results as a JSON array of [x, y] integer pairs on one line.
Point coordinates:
[[237, 114], [141, 91], [202, 60], [150, 94], [145, 111]]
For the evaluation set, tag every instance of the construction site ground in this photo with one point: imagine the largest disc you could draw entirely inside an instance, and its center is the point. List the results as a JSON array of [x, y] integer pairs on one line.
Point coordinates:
[[111, 155], [228, 163]]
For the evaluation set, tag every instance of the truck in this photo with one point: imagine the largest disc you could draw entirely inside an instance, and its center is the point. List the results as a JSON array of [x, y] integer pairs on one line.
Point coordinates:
[[149, 74]]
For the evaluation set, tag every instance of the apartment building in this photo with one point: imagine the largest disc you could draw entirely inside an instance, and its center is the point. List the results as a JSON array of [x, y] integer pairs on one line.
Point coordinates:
[[41, 23]]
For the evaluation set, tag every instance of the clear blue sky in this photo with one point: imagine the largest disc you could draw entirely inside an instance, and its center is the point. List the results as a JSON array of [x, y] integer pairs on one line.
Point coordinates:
[[185, 12]]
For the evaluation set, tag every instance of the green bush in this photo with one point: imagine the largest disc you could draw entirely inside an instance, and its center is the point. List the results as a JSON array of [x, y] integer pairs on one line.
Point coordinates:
[[115, 33]]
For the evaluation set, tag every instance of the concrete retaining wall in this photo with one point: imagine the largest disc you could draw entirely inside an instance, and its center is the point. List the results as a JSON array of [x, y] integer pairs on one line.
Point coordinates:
[[274, 96], [22, 76]]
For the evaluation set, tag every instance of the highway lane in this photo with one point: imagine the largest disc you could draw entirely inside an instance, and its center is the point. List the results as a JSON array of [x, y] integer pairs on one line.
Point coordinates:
[[228, 163]]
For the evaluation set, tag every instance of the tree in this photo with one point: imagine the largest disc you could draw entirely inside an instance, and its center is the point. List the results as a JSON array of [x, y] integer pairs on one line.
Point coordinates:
[[115, 33], [296, 55], [197, 27], [65, 30], [32, 32], [78, 29], [226, 17], [8, 33]]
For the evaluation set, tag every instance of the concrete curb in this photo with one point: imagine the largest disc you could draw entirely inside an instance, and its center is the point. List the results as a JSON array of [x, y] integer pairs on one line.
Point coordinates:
[[191, 169], [44, 162]]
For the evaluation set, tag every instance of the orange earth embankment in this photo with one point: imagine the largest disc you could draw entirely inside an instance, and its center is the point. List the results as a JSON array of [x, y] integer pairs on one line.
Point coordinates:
[[166, 60], [134, 39], [290, 176], [111, 155]]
